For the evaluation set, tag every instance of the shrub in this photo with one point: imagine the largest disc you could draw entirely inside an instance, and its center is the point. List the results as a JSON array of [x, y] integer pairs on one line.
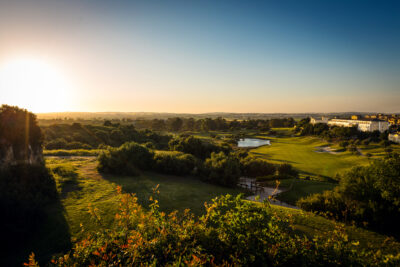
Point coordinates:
[[196, 147], [77, 145], [286, 170], [233, 232], [344, 144], [176, 163], [365, 142], [58, 143], [369, 196], [222, 169], [253, 167], [126, 160]]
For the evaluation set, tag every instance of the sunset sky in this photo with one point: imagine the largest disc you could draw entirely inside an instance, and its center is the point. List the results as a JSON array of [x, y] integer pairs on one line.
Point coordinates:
[[200, 56]]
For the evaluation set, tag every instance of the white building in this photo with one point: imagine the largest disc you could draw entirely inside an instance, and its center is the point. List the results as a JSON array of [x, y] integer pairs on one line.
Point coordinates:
[[395, 137], [322, 120], [362, 125]]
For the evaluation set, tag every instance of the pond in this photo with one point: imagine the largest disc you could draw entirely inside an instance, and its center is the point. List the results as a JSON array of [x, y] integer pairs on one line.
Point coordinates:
[[253, 142]]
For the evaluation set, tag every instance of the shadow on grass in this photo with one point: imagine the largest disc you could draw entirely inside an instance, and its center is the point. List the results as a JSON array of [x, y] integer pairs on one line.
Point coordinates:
[[318, 177], [51, 235]]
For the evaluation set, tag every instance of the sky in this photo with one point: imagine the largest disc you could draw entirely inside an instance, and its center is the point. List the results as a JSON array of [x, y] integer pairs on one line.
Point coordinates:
[[200, 56]]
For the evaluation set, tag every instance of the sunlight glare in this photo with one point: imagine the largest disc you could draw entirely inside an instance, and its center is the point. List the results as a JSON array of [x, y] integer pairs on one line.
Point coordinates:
[[33, 84]]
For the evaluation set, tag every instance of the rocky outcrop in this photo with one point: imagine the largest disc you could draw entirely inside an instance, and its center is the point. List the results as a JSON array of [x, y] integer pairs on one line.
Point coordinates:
[[10, 156], [20, 137]]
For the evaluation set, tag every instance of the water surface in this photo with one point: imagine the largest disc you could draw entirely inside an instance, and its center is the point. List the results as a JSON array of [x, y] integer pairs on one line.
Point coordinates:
[[252, 142]]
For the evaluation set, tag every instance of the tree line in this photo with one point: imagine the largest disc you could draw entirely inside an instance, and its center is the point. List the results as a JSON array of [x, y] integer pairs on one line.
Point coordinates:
[[189, 156], [208, 124]]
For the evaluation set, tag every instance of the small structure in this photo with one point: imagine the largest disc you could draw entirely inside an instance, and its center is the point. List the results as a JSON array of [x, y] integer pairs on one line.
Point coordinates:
[[394, 137], [322, 120]]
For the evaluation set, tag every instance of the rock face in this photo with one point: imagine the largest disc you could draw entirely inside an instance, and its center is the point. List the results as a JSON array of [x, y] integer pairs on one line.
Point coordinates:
[[20, 137], [28, 156]]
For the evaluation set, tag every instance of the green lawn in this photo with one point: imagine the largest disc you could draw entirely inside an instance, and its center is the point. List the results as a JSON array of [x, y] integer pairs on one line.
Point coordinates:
[[298, 188], [377, 150], [300, 152], [176, 193], [64, 219]]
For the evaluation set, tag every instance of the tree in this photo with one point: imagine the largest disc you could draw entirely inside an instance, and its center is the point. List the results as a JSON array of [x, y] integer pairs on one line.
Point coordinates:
[[286, 170], [20, 132], [174, 124], [253, 167], [222, 169], [369, 196]]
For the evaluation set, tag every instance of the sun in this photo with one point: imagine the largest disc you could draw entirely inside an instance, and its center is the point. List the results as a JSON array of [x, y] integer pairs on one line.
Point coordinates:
[[33, 84]]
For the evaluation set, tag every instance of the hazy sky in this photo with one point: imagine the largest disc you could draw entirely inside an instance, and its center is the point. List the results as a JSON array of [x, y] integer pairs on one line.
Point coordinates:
[[200, 56]]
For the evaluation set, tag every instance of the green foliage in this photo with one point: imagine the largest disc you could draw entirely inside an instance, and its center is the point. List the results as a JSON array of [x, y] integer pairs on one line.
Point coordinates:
[[256, 167], [73, 152], [176, 163], [79, 136], [66, 178], [195, 146], [232, 232], [174, 124], [286, 170], [19, 130], [368, 196], [222, 169], [127, 159], [344, 144], [178, 124]]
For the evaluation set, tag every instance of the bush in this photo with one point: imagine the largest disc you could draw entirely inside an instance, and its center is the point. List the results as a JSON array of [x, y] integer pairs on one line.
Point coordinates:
[[233, 232], [58, 143], [222, 169], [196, 146], [365, 142], [286, 170], [353, 149], [126, 160], [253, 167], [59, 136], [77, 145], [369, 196], [344, 144], [176, 163]]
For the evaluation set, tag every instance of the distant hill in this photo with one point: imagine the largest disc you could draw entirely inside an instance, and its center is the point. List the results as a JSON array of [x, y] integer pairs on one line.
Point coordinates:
[[153, 115]]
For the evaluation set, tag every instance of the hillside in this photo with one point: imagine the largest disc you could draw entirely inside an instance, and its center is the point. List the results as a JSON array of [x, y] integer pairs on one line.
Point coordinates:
[[81, 185]]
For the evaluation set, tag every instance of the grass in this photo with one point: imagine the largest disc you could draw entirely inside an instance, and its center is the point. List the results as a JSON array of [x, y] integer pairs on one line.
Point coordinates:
[[72, 152], [377, 150], [300, 152], [176, 193], [299, 188]]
